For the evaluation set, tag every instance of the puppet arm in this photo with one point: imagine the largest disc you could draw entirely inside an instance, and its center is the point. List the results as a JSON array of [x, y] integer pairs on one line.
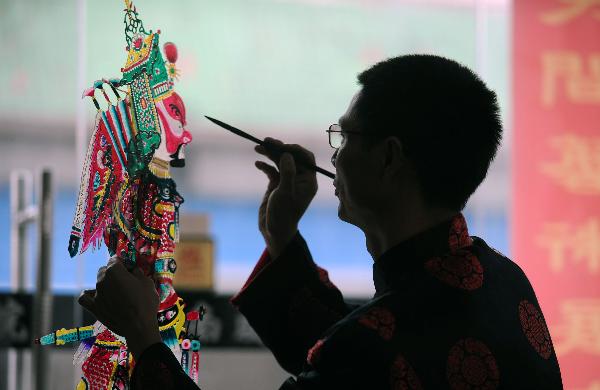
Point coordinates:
[[290, 303]]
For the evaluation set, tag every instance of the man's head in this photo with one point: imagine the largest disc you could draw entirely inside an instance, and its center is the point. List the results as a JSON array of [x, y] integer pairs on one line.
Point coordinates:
[[430, 129]]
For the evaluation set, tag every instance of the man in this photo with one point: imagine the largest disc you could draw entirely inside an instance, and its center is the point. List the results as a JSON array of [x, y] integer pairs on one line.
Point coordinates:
[[449, 311]]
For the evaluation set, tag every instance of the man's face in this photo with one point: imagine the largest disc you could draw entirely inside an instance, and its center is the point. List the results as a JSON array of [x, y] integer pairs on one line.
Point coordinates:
[[356, 182]]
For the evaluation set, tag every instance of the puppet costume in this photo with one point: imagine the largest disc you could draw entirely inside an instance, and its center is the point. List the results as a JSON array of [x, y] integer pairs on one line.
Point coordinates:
[[448, 312], [129, 201]]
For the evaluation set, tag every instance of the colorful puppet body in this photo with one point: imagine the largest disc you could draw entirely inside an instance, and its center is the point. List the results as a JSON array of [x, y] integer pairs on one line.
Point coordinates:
[[128, 199]]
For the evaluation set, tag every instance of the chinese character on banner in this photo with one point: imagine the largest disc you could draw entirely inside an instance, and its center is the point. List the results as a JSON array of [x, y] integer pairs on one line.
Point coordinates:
[[567, 245], [568, 73], [570, 10], [577, 169], [580, 329], [555, 232]]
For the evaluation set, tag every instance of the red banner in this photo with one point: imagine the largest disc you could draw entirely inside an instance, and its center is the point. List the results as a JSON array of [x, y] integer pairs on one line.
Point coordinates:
[[556, 174]]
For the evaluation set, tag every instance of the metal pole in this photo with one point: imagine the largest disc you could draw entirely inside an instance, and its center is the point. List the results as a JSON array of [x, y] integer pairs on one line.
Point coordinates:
[[20, 200], [42, 303], [22, 212]]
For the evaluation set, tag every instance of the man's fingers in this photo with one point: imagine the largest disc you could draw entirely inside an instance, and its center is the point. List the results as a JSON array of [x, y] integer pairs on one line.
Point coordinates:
[[109, 277], [111, 263], [272, 175], [269, 170], [101, 272], [104, 313], [300, 153], [273, 149], [113, 260], [287, 173], [269, 151], [87, 300], [129, 264], [117, 269], [273, 141], [137, 272]]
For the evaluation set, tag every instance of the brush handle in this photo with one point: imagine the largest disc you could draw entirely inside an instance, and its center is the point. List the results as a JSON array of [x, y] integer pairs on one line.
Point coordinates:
[[274, 149], [278, 152]]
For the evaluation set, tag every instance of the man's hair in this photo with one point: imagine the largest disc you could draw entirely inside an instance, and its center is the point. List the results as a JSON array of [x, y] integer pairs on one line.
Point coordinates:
[[446, 118]]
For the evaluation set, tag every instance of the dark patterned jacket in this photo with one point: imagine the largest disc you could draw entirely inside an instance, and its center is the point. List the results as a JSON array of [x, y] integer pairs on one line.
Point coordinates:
[[448, 312]]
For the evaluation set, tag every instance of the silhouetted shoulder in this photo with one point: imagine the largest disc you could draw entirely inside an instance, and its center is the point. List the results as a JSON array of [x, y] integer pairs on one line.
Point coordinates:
[[499, 266]]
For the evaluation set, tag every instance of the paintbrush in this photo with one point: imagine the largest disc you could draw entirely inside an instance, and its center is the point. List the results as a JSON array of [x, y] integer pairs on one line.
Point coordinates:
[[271, 147]]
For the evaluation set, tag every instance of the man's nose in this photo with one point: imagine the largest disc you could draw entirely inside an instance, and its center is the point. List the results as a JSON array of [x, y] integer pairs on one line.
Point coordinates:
[[334, 157]]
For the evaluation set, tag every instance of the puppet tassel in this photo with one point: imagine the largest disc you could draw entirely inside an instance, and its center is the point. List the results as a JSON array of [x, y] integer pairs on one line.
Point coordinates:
[[195, 361], [185, 355], [191, 345]]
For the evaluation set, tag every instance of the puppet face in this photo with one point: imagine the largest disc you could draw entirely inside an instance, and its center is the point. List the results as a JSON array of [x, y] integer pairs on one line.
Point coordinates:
[[171, 112]]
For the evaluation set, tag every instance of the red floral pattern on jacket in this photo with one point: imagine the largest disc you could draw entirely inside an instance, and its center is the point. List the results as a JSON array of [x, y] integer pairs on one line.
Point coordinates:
[[314, 353], [471, 365], [458, 236], [380, 320], [535, 329], [403, 376], [460, 268], [324, 278]]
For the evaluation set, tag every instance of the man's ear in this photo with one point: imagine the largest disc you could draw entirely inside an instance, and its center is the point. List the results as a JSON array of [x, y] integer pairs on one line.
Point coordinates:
[[394, 158]]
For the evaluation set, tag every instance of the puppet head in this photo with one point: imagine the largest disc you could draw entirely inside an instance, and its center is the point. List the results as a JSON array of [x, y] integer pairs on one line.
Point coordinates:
[[156, 108], [172, 116]]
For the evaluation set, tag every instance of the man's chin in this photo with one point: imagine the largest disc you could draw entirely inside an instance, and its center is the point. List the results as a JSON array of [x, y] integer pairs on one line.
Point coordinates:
[[342, 214], [345, 216]]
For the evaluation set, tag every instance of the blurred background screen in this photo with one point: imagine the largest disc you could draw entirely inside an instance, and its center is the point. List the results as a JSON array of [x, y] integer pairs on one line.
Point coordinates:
[[280, 68]]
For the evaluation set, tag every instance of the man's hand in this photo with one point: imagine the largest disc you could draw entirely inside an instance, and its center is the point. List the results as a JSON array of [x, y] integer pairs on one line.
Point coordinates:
[[289, 192], [126, 302]]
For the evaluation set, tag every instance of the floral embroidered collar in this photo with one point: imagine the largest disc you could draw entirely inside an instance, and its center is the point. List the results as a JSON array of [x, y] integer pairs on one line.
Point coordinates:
[[396, 265]]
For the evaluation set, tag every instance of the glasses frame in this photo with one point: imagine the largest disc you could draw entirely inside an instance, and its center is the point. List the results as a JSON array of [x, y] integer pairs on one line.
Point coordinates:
[[330, 130]]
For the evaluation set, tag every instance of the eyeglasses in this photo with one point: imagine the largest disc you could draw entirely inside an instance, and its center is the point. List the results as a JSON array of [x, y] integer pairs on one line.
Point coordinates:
[[337, 136]]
